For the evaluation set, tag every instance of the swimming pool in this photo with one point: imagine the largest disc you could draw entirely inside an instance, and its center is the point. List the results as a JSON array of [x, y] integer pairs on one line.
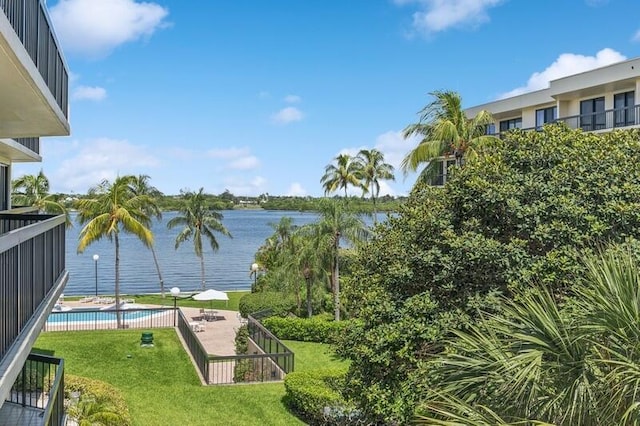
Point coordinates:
[[84, 315]]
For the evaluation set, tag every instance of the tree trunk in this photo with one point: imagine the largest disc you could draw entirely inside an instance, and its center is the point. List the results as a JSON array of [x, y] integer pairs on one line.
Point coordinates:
[[155, 260], [202, 270], [118, 318], [375, 210], [309, 308], [336, 289]]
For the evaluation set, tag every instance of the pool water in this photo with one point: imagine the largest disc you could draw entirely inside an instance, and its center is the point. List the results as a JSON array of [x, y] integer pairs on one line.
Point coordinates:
[[83, 315]]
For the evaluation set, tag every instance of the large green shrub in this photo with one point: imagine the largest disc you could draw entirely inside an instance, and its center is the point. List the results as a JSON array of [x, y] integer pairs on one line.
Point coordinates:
[[313, 395], [516, 213], [95, 402], [305, 329], [278, 304]]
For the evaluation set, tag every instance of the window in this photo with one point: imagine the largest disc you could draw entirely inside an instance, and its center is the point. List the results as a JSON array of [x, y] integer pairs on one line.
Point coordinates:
[[4, 187], [592, 116], [443, 168], [544, 116], [514, 123], [490, 129], [624, 109]]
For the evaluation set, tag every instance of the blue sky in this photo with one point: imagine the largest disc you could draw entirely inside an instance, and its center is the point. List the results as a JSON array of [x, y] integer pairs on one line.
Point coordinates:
[[259, 96]]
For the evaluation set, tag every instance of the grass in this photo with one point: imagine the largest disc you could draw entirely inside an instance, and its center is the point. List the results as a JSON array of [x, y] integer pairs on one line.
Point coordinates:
[[161, 386], [156, 299]]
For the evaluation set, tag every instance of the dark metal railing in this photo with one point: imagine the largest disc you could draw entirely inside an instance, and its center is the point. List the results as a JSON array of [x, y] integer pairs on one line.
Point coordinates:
[[32, 256], [270, 361], [609, 119], [30, 21], [270, 344], [40, 385], [31, 143], [97, 319]]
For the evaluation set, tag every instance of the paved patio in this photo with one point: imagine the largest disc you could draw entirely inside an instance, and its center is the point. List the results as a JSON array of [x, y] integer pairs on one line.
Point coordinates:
[[218, 337]]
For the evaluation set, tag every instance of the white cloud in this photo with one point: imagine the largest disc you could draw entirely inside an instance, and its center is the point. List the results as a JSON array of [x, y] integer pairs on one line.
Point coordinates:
[[287, 115], [228, 153], [566, 64], [244, 163], [296, 190], [100, 159], [438, 15], [89, 93], [95, 28], [292, 99], [240, 186]]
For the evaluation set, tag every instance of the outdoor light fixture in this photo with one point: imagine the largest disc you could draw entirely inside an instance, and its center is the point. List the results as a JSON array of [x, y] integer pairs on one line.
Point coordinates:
[[175, 292], [254, 271], [95, 261]]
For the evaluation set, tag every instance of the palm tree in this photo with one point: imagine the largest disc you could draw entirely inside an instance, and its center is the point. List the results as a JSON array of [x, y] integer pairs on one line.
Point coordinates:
[[113, 208], [198, 221], [445, 131], [141, 186], [372, 169], [33, 190], [340, 175], [334, 224]]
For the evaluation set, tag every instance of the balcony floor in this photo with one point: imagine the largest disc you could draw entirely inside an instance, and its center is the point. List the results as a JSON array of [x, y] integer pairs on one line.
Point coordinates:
[[16, 415]]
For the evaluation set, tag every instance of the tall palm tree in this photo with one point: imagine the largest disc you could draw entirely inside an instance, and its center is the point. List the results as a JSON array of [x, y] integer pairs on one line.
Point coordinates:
[[113, 208], [445, 131], [340, 175], [198, 221], [372, 169], [335, 223], [33, 190], [141, 186]]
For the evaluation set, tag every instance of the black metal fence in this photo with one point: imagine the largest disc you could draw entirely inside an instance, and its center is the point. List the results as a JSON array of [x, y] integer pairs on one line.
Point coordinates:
[[97, 319], [40, 385], [32, 251], [270, 361], [30, 21]]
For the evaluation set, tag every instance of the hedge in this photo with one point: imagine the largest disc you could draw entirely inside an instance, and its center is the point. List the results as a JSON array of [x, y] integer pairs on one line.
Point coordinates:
[[113, 409], [313, 396], [278, 303], [306, 330]]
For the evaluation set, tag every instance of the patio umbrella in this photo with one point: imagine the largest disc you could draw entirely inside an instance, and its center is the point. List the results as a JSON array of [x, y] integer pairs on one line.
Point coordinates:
[[211, 295]]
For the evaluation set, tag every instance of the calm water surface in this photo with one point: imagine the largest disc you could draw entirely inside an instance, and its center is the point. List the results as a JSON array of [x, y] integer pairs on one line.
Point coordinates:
[[226, 269]]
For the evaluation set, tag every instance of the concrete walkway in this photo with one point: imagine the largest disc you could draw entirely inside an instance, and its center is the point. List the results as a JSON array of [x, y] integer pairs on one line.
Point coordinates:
[[218, 337]]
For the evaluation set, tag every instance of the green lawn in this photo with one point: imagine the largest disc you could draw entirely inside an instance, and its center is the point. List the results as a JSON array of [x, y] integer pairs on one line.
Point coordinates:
[[313, 356], [161, 386]]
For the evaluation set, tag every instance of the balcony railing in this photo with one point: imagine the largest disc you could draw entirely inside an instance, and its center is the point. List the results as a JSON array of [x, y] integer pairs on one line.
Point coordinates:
[[616, 118], [30, 21], [32, 255], [31, 143], [40, 387]]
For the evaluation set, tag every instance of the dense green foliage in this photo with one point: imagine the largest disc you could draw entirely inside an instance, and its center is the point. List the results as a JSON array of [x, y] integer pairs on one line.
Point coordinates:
[[566, 365], [513, 215], [305, 329], [279, 304], [98, 402], [315, 397]]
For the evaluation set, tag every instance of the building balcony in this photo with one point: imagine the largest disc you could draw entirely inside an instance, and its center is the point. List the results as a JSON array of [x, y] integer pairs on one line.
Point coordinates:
[[35, 77], [37, 395], [33, 275]]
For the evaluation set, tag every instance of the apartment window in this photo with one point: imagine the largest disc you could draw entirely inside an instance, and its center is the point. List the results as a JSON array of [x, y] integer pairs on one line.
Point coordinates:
[[624, 109], [4, 187], [592, 115], [490, 129], [443, 168], [544, 116], [514, 123]]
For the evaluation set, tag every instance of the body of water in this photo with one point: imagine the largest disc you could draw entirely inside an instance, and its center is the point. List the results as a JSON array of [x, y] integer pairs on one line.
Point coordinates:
[[227, 269]]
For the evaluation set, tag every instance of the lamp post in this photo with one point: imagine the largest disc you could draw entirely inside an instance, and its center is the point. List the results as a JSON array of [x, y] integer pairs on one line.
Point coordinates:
[[254, 271], [307, 276], [175, 292], [95, 261]]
